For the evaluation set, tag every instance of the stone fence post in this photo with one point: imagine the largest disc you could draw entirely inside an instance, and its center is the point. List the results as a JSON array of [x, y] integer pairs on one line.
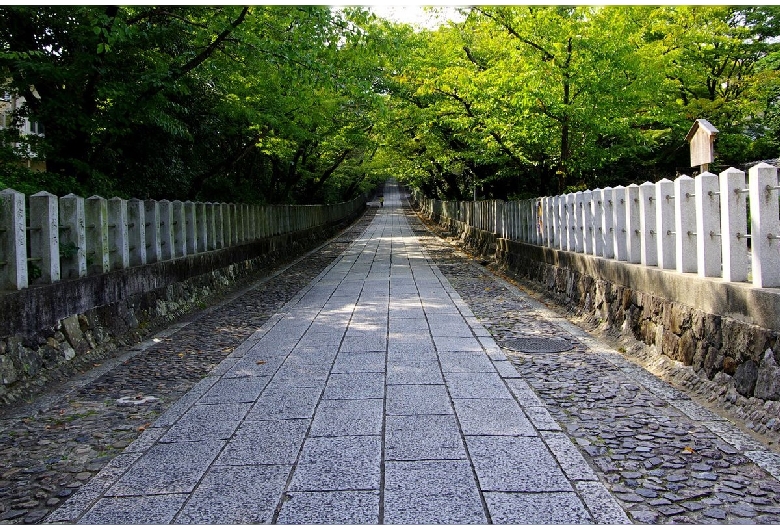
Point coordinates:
[[118, 234], [589, 233], [647, 224], [45, 235], [498, 217], [227, 220], [619, 222], [251, 222], [685, 224], [764, 225], [153, 232], [579, 228], [558, 225], [238, 223], [96, 210], [571, 223], [633, 228], [219, 234], [708, 240], [179, 227], [73, 238], [664, 211], [607, 222], [136, 231], [167, 247], [549, 221], [235, 218], [13, 240], [506, 227], [733, 225], [201, 227], [191, 228], [598, 222]]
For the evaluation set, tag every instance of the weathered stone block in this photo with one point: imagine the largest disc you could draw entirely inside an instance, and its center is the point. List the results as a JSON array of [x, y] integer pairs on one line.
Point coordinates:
[[27, 360], [713, 329], [73, 334], [50, 356], [670, 344], [68, 353], [729, 365], [699, 356], [676, 317], [687, 348], [648, 330], [713, 363], [8, 373], [627, 298], [745, 377], [768, 379]]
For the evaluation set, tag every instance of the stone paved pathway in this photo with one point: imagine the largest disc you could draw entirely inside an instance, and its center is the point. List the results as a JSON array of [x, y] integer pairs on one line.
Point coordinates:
[[374, 396], [391, 390]]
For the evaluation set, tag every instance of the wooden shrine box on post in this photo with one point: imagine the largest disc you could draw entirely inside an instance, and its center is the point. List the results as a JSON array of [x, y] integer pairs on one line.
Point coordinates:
[[702, 140]]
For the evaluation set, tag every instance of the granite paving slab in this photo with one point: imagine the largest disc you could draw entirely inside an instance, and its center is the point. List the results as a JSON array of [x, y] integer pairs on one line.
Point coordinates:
[[432, 492], [492, 417], [348, 417], [143, 510], [410, 400], [536, 508], [243, 494], [330, 507], [265, 442], [423, 437], [516, 464]]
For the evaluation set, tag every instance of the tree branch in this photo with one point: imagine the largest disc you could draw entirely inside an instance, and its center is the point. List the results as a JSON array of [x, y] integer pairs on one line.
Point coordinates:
[[202, 56], [546, 56]]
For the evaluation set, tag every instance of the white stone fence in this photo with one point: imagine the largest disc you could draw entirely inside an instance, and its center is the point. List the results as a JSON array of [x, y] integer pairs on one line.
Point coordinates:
[[45, 239], [692, 225]]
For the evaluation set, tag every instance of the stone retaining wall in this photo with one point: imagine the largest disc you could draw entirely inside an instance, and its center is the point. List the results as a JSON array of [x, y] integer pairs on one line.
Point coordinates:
[[49, 332], [727, 333]]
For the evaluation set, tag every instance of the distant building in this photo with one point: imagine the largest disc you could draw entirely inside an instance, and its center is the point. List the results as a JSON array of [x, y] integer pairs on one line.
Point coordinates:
[[8, 105]]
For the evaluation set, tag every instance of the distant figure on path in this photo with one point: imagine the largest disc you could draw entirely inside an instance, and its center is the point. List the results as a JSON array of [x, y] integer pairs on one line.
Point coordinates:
[[381, 201]]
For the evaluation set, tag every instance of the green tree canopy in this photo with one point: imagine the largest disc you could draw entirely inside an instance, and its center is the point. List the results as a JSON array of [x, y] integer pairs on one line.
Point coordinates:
[[313, 104]]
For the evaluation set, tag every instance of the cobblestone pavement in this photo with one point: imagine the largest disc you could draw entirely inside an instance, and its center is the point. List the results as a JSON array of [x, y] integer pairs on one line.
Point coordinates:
[[667, 459], [50, 448], [373, 396]]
